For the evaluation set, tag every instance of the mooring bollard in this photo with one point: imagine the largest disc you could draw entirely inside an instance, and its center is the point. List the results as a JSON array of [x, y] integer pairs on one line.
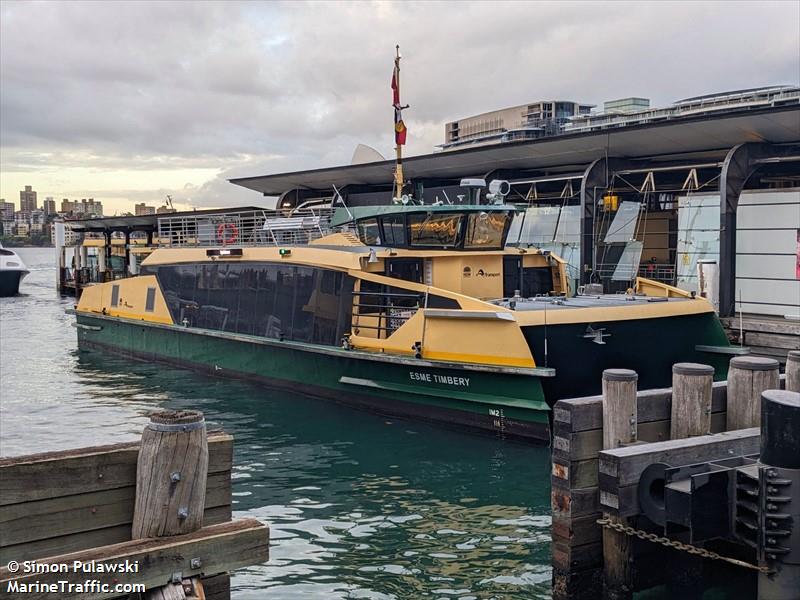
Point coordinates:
[[793, 371], [171, 475], [691, 400], [780, 501], [748, 377], [619, 428]]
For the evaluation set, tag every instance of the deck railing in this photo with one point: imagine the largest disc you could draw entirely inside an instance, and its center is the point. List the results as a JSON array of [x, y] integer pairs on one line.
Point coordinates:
[[384, 312], [246, 228]]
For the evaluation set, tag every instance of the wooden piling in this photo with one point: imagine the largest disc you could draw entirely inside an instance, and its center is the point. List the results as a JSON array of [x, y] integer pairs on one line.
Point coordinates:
[[619, 407], [748, 377], [691, 400], [619, 428], [793, 371], [171, 475]]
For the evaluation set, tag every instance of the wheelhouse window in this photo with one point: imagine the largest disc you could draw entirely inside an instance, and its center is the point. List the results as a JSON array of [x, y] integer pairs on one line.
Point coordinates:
[[394, 231], [438, 230], [369, 233], [485, 231]]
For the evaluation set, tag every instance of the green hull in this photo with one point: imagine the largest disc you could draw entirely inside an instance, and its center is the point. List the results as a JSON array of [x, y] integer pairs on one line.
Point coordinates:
[[503, 401], [648, 346]]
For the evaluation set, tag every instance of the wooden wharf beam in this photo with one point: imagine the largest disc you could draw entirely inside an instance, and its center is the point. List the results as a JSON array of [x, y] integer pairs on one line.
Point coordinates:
[[58, 502], [621, 468], [218, 548], [85, 504], [82, 470]]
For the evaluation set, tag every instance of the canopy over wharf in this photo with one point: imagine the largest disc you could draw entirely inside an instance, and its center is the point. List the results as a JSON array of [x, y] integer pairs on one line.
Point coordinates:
[[661, 167], [117, 242]]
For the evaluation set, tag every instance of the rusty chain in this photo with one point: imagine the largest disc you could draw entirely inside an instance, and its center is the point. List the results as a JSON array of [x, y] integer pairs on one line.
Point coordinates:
[[664, 541]]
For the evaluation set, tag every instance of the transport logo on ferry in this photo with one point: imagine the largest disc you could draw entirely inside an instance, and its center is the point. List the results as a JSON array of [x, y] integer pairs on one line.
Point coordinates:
[[482, 273]]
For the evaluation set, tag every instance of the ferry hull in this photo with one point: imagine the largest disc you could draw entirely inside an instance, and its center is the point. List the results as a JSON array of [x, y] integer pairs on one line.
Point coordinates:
[[648, 346], [501, 403]]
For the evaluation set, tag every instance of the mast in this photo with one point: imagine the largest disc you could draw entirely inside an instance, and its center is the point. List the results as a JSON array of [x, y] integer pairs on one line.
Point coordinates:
[[399, 126]]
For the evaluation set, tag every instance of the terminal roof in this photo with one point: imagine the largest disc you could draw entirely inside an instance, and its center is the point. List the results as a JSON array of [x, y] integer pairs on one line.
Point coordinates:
[[705, 135]]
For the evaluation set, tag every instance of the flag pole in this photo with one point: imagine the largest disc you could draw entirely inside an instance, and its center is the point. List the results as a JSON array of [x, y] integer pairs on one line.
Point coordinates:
[[398, 171]]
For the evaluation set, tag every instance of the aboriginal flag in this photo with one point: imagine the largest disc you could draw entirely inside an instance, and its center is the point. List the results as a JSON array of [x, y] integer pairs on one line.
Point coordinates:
[[399, 127]]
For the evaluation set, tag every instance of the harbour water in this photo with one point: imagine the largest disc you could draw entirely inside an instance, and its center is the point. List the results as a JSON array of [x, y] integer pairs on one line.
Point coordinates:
[[360, 506]]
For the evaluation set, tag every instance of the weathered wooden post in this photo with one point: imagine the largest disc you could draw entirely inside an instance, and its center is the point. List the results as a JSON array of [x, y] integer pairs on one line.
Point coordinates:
[[692, 386], [619, 407], [748, 377], [171, 475], [619, 428], [691, 400], [793, 371]]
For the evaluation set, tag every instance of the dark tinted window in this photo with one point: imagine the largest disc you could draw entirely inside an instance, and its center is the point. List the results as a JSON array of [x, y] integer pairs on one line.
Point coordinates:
[[369, 233], [114, 295], [530, 281], [394, 231], [271, 300]]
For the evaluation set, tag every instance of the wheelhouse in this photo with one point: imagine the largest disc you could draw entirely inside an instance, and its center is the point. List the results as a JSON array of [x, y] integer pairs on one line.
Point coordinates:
[[442, 227]]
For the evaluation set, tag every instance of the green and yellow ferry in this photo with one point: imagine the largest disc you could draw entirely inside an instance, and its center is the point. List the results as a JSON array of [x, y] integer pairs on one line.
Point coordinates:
[[408, 310]]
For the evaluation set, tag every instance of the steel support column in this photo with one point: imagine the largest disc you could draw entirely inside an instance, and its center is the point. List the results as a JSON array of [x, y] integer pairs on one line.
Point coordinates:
[[595, 182]]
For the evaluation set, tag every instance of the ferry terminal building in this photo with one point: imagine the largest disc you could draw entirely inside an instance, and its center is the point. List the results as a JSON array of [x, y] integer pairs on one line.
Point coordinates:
[[649, 194]]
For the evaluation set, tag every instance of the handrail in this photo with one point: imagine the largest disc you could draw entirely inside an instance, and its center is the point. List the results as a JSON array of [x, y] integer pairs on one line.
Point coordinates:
[[246, 228]]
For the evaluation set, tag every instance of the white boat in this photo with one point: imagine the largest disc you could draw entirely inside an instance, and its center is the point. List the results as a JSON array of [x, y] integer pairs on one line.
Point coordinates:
[[12, 271]]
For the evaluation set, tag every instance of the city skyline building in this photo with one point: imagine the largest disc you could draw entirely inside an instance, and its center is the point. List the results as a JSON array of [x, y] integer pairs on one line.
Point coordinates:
[[143, 209], [49, 206], [7, 210], [27, 199]]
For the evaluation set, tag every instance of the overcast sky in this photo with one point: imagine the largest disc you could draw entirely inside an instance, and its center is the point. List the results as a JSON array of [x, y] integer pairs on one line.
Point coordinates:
[[130, 101]]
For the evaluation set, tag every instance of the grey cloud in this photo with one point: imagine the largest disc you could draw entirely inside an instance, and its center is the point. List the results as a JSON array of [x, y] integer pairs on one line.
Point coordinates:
[[244, 83]]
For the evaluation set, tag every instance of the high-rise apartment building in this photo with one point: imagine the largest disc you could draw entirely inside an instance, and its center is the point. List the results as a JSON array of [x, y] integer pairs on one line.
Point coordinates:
[[27, 200], [83, 208], [143, 209], [91, 208], [6, 210], [49, 206]]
